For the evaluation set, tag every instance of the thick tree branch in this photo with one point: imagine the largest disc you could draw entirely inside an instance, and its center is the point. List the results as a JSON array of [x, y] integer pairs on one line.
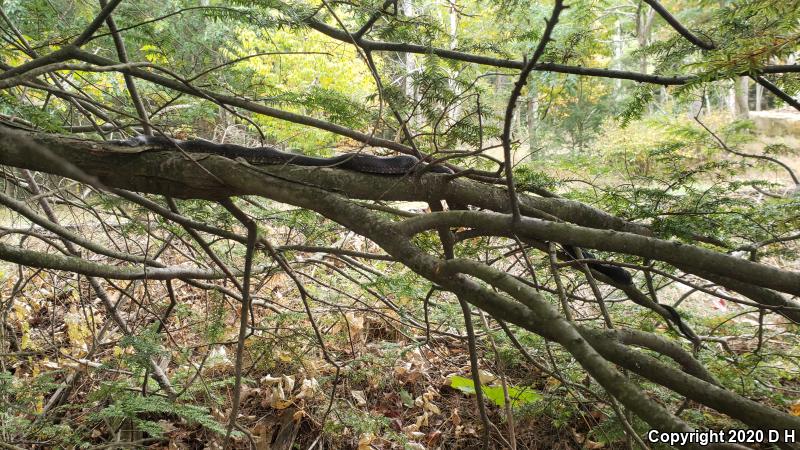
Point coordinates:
[[171, 174], [611, 345], [690, 258]]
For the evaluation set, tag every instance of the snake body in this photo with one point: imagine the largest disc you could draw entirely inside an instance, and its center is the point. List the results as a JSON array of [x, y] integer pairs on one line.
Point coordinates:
[[622, 276], [382, 165], [616, 273]]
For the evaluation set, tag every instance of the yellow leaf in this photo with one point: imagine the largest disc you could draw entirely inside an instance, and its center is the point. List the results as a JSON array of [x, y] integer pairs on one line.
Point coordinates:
[[365, 441], [281, 404]]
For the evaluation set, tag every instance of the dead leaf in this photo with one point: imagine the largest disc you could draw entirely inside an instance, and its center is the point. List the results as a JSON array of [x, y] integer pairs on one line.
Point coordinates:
[[269, 380], [592, 445], [308, 388], [422, 421], [355, 326], [486, 377], [365, 441], [433, 438], [359, 397], [288, 383]]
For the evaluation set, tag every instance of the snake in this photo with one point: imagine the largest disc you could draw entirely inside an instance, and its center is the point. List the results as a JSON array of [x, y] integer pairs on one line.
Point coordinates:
[[365, 163], [618, 274], [359, 162], [371, 164], [623, 277]]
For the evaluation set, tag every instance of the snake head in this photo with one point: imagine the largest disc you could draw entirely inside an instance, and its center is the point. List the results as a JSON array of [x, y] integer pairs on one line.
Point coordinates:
[[440, 169]]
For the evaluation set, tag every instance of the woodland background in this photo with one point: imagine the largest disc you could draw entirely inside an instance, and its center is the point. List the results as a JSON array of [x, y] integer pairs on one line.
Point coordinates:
[[152, 299]]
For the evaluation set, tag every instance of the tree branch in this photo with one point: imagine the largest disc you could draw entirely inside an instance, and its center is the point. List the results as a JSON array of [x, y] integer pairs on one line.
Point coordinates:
[[677, 26], [75, 264], [522, 80]]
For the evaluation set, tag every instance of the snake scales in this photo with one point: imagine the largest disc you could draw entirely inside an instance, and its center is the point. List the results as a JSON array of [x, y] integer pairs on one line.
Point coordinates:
[[382, 165]]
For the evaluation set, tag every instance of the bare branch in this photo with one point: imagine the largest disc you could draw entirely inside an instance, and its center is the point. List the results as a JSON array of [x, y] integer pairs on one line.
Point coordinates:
[[75, 264], [522, 80], [677, 26]]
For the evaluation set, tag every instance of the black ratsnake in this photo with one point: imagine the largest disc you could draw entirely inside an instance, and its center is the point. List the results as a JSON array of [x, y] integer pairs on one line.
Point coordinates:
[[382, 165], [616, 273], [622, 276]]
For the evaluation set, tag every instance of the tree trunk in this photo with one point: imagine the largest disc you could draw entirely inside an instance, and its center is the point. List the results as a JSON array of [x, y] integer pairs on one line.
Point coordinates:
[[759, 96], [644, 28], [618, 56], [409, 63], [408, 11], [741, 96], [533, 124], [453, 18]]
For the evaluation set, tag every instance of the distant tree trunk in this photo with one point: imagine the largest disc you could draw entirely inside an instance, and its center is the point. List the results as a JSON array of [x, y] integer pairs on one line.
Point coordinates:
[[741, 92], [407, 7], [408, 11], [453, 16], [533, 125], [759, 96], [792, 60], [618, 56], [644, 28]]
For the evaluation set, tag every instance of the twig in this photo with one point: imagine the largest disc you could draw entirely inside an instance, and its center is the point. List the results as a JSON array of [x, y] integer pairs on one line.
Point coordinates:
[[512, 435], [476, 376], [559, 285], [725, 147], [512, 103], [252, 232], [595, 290], [122, 53]]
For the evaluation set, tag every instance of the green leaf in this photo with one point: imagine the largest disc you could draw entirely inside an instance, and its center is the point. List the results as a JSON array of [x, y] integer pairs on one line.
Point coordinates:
[[519, 396], [407, 399]]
